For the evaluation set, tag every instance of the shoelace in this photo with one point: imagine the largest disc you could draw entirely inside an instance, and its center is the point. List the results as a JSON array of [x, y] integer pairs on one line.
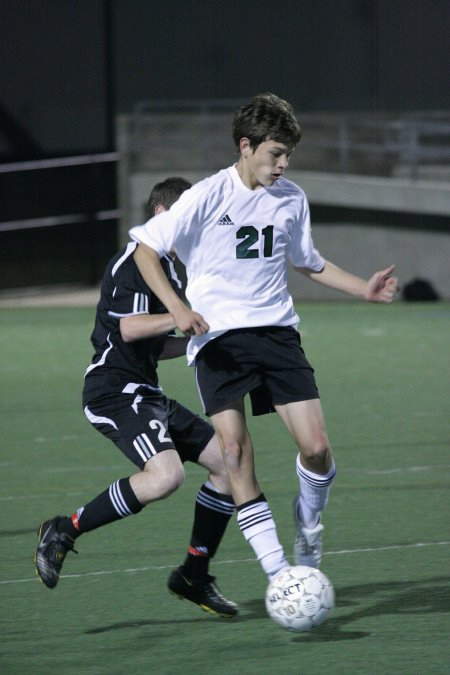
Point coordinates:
[[212, 590], [62, 543]]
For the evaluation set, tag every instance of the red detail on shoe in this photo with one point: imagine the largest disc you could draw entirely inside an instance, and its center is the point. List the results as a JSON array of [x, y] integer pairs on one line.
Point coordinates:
[[74, 518], [200, 552]]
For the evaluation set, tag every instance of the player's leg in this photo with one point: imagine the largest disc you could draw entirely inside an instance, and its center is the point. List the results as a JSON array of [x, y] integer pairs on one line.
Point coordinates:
[[290, 386], [211, 459], [161, 473], [161, 476], [237, 450], [315, 470], [254, 515], [214, 506], [226, 369]]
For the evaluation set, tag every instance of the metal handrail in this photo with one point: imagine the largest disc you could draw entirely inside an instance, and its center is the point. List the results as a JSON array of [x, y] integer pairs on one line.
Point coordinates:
[[56, 162], [410, 139], [65, 219]]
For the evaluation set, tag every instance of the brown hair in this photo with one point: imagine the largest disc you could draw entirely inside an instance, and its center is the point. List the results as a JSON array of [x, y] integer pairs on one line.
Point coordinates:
[[266, 117], [166, 193]]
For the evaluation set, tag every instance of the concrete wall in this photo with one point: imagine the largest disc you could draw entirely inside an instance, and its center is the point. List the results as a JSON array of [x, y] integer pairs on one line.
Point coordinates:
[[364, 249]]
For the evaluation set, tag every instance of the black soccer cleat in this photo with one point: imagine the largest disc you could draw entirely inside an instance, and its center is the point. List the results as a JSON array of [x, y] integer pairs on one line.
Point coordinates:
[[202, 592], [51, 551]]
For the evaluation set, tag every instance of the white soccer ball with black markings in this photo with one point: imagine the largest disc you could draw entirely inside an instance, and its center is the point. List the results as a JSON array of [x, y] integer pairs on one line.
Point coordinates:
[[299, 598]]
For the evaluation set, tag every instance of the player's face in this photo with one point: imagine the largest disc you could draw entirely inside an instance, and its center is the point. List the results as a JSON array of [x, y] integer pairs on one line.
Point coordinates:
[[263, 166]]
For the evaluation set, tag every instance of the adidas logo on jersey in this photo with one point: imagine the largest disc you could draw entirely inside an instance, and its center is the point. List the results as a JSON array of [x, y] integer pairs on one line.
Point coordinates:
[[225, 220]]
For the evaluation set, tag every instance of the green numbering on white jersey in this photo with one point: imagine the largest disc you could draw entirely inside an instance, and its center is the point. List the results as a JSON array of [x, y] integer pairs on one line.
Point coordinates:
[[250, 236]]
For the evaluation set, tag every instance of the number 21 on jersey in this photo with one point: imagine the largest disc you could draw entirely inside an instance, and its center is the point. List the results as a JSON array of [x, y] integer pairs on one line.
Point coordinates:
[[250, 236]]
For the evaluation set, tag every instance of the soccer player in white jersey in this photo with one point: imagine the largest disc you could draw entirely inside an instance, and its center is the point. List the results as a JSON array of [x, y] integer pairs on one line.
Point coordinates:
[[236, 232]]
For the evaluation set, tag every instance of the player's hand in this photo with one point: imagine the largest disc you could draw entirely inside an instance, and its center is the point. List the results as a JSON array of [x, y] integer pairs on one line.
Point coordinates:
[[190, 322], [382, 286]]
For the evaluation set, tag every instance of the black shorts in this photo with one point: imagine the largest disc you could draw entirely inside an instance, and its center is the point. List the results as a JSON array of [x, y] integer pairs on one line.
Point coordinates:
[[142, 424], [267, 362]]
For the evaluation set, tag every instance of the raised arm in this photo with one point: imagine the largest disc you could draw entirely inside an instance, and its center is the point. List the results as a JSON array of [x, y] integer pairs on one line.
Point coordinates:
[[381, 287], [188, 321]]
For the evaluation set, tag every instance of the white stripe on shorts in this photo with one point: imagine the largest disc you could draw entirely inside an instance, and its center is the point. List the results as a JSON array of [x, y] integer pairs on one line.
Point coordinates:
[[144, 447], [96, 419]]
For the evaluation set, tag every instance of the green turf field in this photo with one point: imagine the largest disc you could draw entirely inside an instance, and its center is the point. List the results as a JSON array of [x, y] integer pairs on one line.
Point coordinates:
[[383, 373]]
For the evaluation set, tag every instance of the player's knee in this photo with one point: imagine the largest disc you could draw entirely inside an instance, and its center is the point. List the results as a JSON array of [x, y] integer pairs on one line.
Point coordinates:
[[233, 455], [317, 456], [159, 482], [218, 470], [171, 482]]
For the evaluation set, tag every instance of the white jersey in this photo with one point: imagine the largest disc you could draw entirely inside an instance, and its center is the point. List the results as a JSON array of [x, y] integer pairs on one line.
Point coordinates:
[[235, 244]]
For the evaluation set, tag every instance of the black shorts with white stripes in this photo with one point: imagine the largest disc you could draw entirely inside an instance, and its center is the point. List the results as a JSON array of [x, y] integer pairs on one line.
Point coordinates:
[[143, 424], [267, 362]]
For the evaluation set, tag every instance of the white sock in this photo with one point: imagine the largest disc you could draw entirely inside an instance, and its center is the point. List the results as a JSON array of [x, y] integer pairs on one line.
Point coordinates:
[[258, 527], [314, 491]]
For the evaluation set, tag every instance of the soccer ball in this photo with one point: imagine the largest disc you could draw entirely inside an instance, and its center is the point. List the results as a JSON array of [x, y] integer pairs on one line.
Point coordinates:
[[299, 598]]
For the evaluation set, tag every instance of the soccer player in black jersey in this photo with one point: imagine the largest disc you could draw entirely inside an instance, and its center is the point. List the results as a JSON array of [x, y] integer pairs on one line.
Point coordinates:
[[124, 401]]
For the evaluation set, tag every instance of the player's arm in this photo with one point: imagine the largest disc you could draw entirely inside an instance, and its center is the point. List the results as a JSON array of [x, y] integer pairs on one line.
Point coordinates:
[[381, 287], [188, 321], [141, 326]]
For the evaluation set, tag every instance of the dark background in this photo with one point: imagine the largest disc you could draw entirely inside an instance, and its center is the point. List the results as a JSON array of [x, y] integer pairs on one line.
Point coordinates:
[[68, 67]]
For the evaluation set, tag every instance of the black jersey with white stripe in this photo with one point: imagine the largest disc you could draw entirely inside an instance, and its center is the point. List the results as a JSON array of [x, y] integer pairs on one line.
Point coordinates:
[[119, 366]]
